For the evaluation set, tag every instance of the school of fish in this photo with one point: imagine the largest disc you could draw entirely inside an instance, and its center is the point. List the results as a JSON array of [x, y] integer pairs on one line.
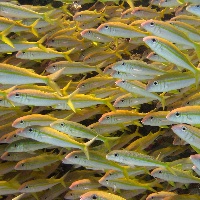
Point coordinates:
[[100, 100]]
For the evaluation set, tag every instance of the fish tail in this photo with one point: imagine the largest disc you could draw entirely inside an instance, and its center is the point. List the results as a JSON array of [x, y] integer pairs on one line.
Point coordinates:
[[66, 55], [107, 102], [40, 45], [46, 17], [69, 101], [108, 140], [32, 28], [54, 86], [197, 48], [168, 168], [125, 172], [197, 76], [86, 145], [3, 37], [62, 179], [162, 100]]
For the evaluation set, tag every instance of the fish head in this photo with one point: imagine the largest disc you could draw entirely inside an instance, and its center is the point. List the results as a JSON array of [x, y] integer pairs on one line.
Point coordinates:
[[148, 119], [181, 130], [195, 159], [158, 172], [195, 9], [152, 42], [58, 125], [176, 116], [52, 68], [74, 157], [105, 119], [26, 187], [19, 123], [87, 33], [16, 96], [149, 25], [21, 165], [154, 86], [104, 29], [90, 196]]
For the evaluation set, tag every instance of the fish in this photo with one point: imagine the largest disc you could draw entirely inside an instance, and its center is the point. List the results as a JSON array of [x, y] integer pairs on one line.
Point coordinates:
[[11, 74], [132, 158], [171, 53], [54, 137], [100, 195], [12, 10]]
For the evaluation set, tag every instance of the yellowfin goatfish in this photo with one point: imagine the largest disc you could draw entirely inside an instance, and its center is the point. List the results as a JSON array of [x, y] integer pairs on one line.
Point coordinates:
[[100, 195], [11, 74], [194, 9], [40, 184], [119, 29], [97, 161], [188, 133], [188, 114], [180, 176], [171, 53], [36, 53], [132, 158], [33, 119], [169, 32], [54, 137], [78, 130], [12, 10]]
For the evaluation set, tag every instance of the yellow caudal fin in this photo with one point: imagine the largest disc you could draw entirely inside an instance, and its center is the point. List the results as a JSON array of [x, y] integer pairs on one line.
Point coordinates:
[[66, 54], [32, 28], [69, 102], [3, 35], [40, 45], [50, 81], [86, 145], [197, 48], [107, 102], [46, 16], [197, 76], [108, 140]]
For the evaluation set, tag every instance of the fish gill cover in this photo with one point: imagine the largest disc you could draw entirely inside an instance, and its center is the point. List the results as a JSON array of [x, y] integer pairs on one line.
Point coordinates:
[[99, 99]]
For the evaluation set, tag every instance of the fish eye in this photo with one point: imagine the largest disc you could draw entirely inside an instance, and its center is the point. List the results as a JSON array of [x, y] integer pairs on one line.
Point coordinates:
[[14, 135], [52, 40], [155, 82], [8, 154], [153, 40], [26, 186], [151, 117], [107, 117], [118, 72], [15, 145], [94, 196], [177, 114], [160, 172], [106, 27], [30, 130], [22, 164], [123, 81], [23, 52], [116, 154], [184, 128], [89, 32], [62, 124], [75, 156], [17, 94], [54, 67], [152, 24], [197, 6], [21, 122], [79, 16], [123, 63], [83, 85], [122, 100]]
